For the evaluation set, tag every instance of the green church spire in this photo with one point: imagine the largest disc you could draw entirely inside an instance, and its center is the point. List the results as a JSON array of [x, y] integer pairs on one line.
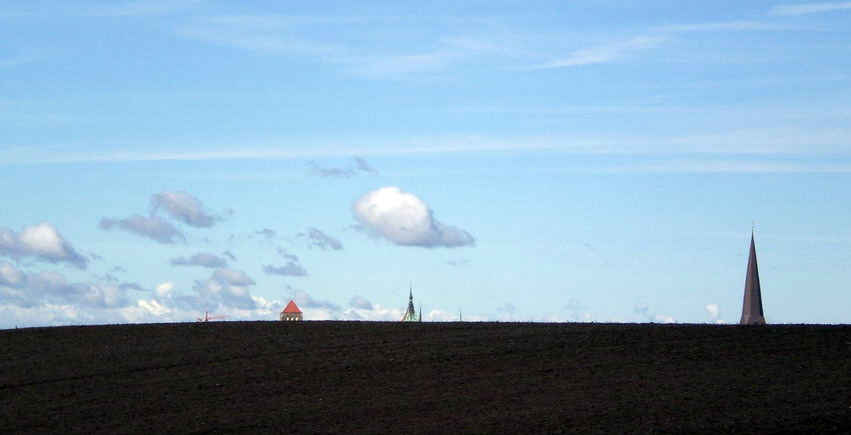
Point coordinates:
[[410, 313]]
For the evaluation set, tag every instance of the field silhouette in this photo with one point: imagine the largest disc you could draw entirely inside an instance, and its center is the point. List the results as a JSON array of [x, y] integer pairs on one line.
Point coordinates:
[[381, 377]]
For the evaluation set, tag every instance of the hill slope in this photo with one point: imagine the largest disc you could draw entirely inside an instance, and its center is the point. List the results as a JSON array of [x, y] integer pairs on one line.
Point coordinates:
[[428, 377]]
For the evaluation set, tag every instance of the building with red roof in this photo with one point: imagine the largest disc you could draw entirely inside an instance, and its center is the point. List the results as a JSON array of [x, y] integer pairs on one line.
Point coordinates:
[[291, 313]]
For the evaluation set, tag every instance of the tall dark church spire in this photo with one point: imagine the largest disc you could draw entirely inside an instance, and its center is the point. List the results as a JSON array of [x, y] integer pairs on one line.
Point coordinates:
[[752, 305]]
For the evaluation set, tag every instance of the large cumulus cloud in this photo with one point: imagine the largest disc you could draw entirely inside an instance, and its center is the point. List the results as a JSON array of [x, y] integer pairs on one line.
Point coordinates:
[[404, 219], [41, 242]]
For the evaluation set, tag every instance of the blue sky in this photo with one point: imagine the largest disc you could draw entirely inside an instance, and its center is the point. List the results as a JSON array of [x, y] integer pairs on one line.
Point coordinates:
[[519, 161]]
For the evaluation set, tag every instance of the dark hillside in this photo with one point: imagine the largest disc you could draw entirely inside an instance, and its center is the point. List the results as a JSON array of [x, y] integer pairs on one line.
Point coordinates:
[[428, 377]]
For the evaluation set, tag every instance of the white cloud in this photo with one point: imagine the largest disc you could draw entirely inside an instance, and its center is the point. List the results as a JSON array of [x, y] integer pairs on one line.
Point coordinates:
[[304, 300], [203, 259], [164, 290], [232, 277], [360, 166], [360, 302], [226, 288], [153, 227], [137, 8], [292, 268], [809, 8], [375, 314], [318, 239], [661, 318], [10, 276], [606, 53], [405, 219], [728, 26], [41, 242], [30, 290], [440, 316], [154, 307], [644, 310], [714, 313], [183, 207]]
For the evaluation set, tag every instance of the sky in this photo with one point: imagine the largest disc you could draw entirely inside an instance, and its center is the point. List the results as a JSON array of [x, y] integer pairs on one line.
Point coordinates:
[[546, 161]]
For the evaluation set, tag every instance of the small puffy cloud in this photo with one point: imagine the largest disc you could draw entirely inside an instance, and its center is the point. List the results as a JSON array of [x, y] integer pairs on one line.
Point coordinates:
[[292, 268], [318, 239], [130, 286], [305, 301], [360, 303], [183, 207], [266, 232], [10, 276], [376, 313], [577, 311], [440, 316], [507, 308], [714, 313], [226, 287], [359, 166], [662, 318], [283, 253], [153, 227], [644, 310], [203, 259], [406, 220], [232, 277], [41, 242], [164, 290], [154, 307]]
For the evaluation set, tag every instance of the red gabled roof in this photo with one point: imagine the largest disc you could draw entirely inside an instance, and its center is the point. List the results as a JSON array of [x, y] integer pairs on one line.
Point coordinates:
[[292, 308]]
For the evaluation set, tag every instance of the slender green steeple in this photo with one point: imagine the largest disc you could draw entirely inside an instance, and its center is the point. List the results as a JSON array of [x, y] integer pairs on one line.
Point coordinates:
[[410, 313]]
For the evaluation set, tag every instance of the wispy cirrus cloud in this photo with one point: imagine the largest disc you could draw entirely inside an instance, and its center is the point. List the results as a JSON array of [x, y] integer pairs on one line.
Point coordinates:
[[359, 166], [374, 47], [140, 8], [809, 8], [605, 53], [651, 38]]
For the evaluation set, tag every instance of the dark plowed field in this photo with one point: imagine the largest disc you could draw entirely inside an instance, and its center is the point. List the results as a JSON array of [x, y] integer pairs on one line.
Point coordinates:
[[428, 377]]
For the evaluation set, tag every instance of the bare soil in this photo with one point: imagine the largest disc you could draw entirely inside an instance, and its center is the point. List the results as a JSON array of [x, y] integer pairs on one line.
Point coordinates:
[[364, 377]]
